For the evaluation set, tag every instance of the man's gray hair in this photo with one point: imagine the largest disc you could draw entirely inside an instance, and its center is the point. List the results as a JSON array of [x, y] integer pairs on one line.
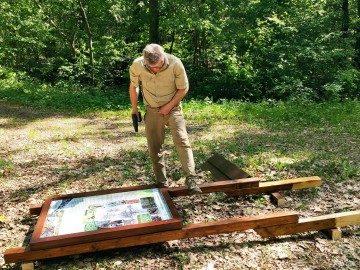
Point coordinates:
[[153, 53]]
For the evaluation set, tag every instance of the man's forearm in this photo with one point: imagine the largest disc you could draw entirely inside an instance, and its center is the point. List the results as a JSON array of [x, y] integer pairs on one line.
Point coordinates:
[[134, 96], [174, 101], [180, 94]]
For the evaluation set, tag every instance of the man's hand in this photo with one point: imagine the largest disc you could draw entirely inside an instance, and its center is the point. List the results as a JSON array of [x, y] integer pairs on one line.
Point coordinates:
[[138, 115], [136, 118], [166, 109]]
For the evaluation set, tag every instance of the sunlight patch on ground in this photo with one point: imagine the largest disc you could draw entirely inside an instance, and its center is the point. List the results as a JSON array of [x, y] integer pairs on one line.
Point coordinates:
[[214, 132], [4, 121], [62, 139], [285, 160]]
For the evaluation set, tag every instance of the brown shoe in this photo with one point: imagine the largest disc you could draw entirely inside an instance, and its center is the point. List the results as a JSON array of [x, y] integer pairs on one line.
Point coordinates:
[[192, 186]]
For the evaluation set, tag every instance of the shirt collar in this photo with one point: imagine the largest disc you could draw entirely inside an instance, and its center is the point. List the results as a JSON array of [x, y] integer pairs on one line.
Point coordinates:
[[165, 66]]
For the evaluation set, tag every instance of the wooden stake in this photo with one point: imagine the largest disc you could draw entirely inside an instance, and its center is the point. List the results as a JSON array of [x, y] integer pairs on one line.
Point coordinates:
[[278, 199], [27, 266], [334, 233], [35, 209]]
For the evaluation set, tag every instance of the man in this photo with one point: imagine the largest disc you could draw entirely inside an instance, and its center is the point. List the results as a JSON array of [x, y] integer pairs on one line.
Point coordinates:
[[164, 84]]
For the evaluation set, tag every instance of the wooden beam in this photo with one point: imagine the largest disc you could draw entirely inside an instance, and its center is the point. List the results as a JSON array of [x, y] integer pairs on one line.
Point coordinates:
[[297, 183], [25, 254], [35, 209], [215, 173], [274, 186], [222, 169], [312, 224], [219, 186], [229, 169]]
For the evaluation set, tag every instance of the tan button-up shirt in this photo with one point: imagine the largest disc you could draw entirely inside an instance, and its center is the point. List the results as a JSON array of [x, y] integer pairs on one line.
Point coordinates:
[[159, 88]]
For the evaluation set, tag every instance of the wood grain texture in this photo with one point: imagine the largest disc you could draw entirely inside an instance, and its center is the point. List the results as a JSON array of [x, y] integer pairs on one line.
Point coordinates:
[[227, 168], [23, 254], [219, 186], [274, 186], [312, 224]]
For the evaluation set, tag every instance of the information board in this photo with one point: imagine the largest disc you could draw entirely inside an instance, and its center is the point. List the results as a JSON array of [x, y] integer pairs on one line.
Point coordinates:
[[93, 216]]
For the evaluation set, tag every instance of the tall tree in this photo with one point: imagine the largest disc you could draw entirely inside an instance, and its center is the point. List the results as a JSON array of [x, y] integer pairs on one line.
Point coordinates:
[[345, 18], [357, 43], [89, 37], [154, 17]]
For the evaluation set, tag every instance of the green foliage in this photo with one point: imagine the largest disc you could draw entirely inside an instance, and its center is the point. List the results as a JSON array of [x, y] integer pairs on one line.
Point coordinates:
[[282, 50], [65, 96], [6, 167]]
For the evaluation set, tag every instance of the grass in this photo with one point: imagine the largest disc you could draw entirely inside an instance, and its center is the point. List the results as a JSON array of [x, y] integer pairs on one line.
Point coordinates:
[[270, 137], [281, 137], [6, 167]]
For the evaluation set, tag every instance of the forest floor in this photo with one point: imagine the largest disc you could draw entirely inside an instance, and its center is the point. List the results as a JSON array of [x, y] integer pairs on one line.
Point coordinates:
[[43, 153]]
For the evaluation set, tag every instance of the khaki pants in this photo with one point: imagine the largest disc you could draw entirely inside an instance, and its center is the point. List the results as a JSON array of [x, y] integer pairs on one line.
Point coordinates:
[[155, 133]]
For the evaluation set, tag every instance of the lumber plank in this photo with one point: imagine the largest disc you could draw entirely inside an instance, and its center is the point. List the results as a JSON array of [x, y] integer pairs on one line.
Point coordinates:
[[297, 183], [346, 219], [312, 224], [215, 173], [25, 254], [274, 186], [231, 170], [219, 186], [240, 224]]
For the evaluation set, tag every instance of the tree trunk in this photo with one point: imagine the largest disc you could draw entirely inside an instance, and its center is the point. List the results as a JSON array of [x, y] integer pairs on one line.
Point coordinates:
[[357, 44], [154, 21], [90, 38], [345, 18], [172, 41]]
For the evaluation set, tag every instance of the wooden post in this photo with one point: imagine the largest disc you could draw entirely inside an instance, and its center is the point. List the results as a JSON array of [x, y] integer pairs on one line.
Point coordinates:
[[27, 266], [278, 199], [35, 209], [334, 233]]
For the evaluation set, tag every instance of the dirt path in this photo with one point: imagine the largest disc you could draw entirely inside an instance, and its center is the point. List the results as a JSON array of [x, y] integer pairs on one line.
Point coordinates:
[[44, 153]]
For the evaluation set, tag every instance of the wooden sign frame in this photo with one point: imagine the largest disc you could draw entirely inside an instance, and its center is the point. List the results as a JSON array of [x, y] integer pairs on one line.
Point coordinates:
[[161, 199]]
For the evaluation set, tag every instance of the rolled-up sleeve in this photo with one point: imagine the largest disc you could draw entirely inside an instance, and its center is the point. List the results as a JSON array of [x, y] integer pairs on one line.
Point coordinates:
[[134, 75], [181, 79]]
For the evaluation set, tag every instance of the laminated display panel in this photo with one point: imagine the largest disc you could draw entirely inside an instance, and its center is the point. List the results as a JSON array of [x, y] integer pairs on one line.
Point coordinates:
[[93, 216]]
